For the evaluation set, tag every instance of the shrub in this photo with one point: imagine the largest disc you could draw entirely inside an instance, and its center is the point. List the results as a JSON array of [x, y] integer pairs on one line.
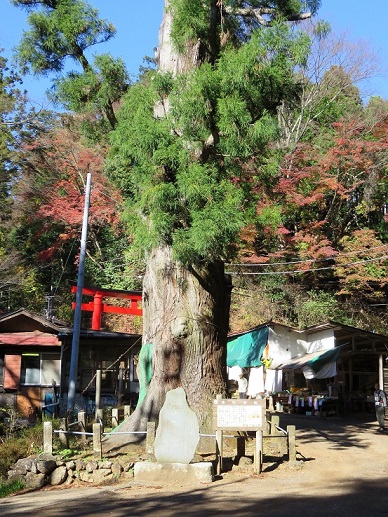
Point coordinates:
[[10, 487], [23, 443]]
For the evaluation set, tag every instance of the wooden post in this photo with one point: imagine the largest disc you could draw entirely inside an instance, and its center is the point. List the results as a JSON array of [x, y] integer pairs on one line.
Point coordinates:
[[48, 437], [258, 456], [63, 437], [115, 417], [291, 443], [268, 422], [240, 446], [97, 446], [98, 392], [127, 411], [274, 422], [219, 450], [82, 424], [150, 439], [121, 383], [100, 418]]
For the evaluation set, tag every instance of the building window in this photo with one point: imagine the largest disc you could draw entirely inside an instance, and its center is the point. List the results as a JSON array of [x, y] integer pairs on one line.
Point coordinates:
[[40, 369]]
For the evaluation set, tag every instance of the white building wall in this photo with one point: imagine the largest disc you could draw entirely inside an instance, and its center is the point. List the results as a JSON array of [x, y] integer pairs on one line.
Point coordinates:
[[323, 340], [285, 343]]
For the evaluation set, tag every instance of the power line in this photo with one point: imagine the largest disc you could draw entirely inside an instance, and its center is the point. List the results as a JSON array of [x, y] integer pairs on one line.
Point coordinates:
[[285, 263], [350, 264]]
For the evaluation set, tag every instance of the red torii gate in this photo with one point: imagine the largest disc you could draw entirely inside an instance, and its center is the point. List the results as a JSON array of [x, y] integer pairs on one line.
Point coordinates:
[[97, 306]]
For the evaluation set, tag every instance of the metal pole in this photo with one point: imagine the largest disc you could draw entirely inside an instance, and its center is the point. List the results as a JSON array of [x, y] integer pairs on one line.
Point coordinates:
[[78, 302]]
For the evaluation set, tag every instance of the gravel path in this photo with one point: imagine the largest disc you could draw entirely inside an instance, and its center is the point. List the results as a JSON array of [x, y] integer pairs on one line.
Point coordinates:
[[342, 470]]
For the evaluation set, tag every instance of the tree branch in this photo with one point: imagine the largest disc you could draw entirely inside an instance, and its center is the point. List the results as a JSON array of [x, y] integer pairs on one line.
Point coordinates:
[[260, 12]]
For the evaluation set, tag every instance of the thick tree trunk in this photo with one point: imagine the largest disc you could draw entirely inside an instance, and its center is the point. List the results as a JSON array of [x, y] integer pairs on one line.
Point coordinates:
[[186, 314]]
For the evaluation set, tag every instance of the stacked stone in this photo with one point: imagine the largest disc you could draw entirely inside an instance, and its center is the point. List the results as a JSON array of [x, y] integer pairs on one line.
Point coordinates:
[[36, 472]]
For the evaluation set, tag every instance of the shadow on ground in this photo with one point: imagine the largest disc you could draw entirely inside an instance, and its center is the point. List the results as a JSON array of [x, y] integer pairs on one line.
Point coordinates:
[[369, 498]]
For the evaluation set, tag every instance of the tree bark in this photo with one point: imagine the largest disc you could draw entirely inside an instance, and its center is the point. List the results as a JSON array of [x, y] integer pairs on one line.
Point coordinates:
[[185, 317]]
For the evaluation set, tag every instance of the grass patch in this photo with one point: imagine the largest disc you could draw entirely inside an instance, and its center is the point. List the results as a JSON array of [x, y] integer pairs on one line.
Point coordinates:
[[23, 443], [10, 487]]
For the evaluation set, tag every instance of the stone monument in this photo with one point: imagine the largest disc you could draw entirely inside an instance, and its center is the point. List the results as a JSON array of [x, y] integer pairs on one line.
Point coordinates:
[[177, 435], [176, 441]]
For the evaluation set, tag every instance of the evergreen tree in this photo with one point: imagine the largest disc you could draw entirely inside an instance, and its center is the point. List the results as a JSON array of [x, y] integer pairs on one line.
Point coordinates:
[[192, 140], [63, 29]]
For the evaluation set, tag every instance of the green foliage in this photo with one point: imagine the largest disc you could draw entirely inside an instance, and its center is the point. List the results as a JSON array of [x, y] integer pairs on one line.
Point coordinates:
[[191, 20], [317, 307], [92, 90], [66, 29], [61, 29], [10, 487], [177, 172], [367, 278], [23, 442]]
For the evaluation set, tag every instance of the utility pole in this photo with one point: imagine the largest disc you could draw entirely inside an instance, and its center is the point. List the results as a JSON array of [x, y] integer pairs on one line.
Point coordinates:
[[78, 301]]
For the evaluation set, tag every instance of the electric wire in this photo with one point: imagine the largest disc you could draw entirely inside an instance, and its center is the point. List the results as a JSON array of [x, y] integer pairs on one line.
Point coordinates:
[[296, 271]]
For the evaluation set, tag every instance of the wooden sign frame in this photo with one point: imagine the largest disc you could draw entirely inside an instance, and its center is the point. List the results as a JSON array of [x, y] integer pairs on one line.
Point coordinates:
[[239, 414]]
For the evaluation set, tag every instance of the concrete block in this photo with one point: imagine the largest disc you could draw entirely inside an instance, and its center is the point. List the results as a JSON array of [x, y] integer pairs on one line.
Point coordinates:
[[173, 473]]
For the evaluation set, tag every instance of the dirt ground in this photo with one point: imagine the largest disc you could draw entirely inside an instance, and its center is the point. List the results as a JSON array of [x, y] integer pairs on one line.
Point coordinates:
[[342, 469]]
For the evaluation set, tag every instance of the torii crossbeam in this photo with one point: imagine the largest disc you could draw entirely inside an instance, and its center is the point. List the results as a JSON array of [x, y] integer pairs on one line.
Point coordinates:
[[98, 307]]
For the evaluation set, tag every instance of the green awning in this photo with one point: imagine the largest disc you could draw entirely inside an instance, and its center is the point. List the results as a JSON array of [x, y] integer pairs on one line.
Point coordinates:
[[245, 350], [322, 360]]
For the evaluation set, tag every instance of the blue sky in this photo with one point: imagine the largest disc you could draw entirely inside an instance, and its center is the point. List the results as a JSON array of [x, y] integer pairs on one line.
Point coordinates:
[[137, 24]]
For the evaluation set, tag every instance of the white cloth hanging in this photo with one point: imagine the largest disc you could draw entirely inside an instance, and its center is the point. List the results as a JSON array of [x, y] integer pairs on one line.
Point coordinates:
[[256, 381]]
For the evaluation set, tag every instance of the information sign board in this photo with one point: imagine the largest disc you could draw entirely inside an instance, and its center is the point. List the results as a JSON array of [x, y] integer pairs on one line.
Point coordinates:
[[239, 414]]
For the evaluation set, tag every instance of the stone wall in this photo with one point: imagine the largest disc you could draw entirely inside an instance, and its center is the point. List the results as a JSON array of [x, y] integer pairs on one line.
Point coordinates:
[[36, 472]]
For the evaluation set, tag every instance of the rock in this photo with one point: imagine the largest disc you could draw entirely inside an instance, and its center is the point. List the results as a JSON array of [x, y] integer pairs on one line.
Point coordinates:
[[105, 465], [35, 480], [14, 475], [85, 476], [102, 475], [91, 466], [46, 466], [71, 465], [117, 469], [23, 465], [79, 465], [244, 461], [58, 476]]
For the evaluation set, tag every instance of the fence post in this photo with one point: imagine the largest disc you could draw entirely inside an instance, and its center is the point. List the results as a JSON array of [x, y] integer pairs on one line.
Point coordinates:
[[115, 417], [98, 391], [291, 443], [150, 438], [97, 446], [82, 424], [274, 422], [258, 456], [121, 383], [127, 411], [219, 450], [63, 437], [48, 437]]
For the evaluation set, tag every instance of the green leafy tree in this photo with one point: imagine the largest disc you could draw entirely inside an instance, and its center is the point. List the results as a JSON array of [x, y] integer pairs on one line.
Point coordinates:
[[64, 29]]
